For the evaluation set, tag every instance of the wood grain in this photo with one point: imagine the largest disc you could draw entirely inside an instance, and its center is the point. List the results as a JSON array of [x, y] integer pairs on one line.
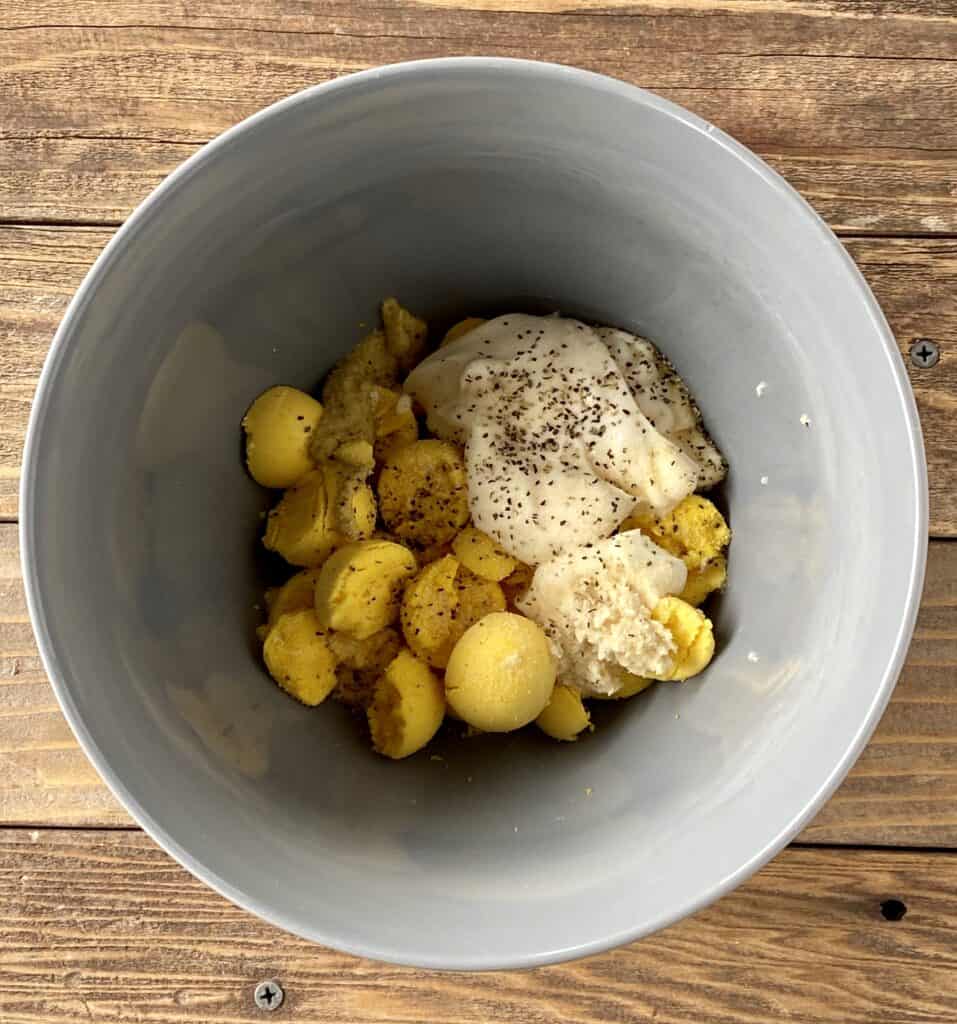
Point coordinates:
[[105, 927], [903, 790], [915, 281], [855, 103]]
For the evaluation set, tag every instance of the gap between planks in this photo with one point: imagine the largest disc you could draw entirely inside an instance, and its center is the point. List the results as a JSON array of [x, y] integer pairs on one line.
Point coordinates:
[[42, 828], [845, 234], [839, 98]]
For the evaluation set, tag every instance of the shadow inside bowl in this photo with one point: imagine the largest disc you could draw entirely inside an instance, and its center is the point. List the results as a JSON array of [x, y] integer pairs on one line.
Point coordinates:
[[463, 187]]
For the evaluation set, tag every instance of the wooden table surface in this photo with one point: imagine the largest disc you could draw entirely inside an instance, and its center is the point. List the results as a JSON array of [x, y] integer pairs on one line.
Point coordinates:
[[855, 101]]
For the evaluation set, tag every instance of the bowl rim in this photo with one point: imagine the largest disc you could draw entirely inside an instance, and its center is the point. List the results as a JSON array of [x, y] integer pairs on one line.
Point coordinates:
[[28, 524]]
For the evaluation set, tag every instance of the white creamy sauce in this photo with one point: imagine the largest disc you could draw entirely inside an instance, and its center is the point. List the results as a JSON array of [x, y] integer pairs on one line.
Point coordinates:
[[664, 398], [558, 449], [568, 430]]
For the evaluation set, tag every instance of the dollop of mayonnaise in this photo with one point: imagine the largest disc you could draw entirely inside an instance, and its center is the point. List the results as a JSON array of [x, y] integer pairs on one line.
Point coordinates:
[[558, 450], [595, 607]]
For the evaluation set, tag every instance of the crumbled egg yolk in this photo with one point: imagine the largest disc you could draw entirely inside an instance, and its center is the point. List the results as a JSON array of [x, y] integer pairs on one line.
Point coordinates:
[[376, 615], [694, 531], [692, 633]]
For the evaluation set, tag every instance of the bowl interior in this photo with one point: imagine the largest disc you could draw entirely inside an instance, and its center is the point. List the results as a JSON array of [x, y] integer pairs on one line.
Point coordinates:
[[464, 186]]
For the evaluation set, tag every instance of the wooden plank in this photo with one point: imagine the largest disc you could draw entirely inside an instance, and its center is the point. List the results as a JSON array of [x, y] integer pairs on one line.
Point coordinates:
[[105, 927], [903, 790], [915, 281], [857, 108]]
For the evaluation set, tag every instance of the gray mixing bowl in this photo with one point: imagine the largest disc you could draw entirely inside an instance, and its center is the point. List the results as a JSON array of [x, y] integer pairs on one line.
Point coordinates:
[[465, 185]]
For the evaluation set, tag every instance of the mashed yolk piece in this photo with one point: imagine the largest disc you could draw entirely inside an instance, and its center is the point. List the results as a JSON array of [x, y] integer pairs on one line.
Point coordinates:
[[360, 587], [694, 531], [423, 492], [441, 603], [279, 426], [501, 673], [693, 635], [565, 716], [482, 555], [407, 707], [298, 657]]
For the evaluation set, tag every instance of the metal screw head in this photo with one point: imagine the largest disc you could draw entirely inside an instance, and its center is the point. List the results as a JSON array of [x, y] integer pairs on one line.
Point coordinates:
[[924, 353], [269, 995]]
